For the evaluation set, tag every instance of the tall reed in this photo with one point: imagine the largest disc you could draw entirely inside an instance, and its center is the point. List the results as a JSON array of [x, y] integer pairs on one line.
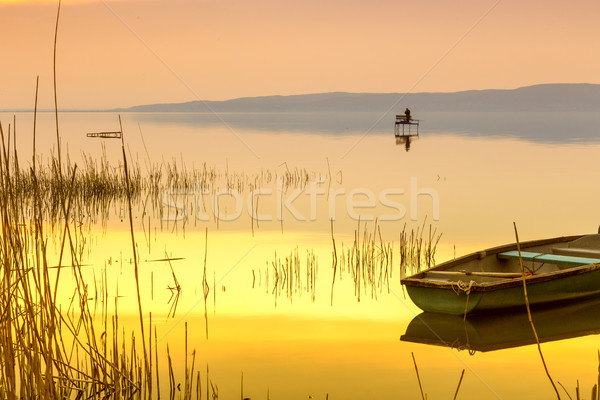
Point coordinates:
[[49, 348]]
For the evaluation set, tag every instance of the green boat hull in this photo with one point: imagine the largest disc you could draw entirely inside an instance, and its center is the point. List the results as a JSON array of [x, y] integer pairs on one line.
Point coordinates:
[[456, 301], [491, 279]]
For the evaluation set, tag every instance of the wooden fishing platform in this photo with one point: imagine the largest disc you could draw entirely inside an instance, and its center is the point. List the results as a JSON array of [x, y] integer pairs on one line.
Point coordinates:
[[405, 127], [105, 135]]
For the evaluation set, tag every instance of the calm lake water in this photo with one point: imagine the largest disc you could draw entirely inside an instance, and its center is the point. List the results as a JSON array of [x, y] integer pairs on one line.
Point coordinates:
[[467, 177]]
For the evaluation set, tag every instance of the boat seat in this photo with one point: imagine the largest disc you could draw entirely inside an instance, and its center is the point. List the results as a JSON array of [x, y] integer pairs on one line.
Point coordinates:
[[570, 251], [586, 242], [556, 259]]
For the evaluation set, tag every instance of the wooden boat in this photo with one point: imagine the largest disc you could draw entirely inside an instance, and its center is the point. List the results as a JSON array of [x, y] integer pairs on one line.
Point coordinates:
[[504, 330], [558, 269]]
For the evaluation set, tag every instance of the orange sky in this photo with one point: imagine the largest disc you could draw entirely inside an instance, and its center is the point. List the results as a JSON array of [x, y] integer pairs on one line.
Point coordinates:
[[122, 53]]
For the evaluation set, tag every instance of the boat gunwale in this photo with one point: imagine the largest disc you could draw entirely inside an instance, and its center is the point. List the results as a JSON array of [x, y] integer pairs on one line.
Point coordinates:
[[419, 279]]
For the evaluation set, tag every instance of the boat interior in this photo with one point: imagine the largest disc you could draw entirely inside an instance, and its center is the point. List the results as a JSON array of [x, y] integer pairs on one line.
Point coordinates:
[[500, 263]]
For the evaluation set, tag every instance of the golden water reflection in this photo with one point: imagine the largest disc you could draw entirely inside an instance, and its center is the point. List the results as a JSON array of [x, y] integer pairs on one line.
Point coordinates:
[[349, 349], [292, 344], [296, 356]]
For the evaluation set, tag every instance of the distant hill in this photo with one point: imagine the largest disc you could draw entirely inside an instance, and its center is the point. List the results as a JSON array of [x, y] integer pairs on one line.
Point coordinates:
[[546, 97]]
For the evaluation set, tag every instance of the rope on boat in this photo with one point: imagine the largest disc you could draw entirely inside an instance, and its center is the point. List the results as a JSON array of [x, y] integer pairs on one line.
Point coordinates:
[[463, 287], [456, 344]]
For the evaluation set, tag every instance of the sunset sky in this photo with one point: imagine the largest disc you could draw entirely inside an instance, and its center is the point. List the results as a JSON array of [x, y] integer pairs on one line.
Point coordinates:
[[116, 53]]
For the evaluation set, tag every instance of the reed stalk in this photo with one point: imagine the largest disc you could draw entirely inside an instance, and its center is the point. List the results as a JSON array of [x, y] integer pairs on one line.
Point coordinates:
[[205, 286], [537, 340], [418, 377], [459, 382], [133, 247], [55, 91]]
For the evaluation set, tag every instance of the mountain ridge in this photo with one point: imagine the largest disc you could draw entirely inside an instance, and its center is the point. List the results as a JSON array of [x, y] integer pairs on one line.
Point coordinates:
[[542, 97]]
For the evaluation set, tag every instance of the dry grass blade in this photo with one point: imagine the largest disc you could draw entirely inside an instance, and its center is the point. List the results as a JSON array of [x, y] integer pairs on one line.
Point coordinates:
[[175, 291], [135, 260], [418, 377], [335, 259], [459, 382], [205, 286], [529, 313], [566, 392]]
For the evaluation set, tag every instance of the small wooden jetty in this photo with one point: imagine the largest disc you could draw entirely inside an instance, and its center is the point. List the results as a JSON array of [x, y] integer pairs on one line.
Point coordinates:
[[406, 126], [105, 135]]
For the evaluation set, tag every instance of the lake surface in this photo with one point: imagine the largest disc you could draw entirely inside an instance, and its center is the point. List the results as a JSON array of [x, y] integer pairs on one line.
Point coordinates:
[[467, 177]]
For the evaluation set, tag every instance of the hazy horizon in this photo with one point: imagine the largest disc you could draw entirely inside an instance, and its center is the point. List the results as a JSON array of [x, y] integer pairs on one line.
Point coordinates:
[[117, 53], [570, 94]]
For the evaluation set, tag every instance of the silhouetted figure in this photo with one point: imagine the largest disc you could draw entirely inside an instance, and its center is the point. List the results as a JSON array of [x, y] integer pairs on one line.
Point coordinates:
[[407, 113]]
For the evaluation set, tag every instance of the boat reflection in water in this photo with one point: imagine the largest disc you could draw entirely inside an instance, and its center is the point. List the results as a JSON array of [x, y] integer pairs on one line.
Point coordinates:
[[507, 329]]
